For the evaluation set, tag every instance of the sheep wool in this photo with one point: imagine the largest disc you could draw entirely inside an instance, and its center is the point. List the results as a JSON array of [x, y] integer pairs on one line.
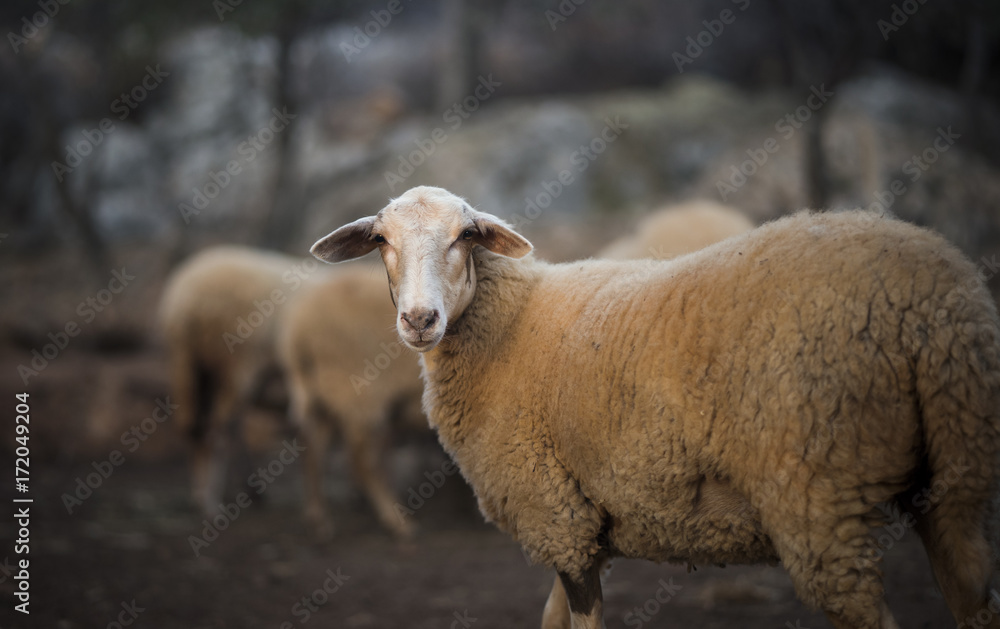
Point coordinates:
[[753, 401], [757, 400]]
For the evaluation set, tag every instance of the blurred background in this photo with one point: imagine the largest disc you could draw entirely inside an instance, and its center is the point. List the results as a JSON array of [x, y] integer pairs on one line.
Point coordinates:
[[133, 135]]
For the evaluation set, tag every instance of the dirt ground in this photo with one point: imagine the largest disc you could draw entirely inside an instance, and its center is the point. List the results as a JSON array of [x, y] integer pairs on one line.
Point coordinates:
[[130, 541]]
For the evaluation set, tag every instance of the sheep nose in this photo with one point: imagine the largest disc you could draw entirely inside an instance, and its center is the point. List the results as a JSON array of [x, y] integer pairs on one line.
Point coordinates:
[[420, 320]]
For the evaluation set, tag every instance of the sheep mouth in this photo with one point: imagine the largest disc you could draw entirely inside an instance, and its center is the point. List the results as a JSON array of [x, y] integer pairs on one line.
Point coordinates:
[[421, 345], [423, 342]]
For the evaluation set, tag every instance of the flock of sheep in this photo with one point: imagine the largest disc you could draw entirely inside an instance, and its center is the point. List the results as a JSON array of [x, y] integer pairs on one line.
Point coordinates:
[[332, 326], [751, 400]]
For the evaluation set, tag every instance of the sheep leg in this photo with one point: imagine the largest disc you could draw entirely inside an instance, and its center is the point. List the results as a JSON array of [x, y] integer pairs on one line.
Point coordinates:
[[858, 609], [848, 590], [556, 614], [585, 598], [962, 561], [317, 434], [365, 445], [211, 452], [185, 375], [832, 568]]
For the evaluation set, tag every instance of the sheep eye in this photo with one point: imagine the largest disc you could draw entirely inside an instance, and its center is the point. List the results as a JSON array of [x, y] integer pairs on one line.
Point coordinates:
[[379, 238], [467, 234]]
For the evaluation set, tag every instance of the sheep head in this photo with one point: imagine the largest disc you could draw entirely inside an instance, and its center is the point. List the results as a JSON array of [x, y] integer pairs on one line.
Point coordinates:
[[426, 238]]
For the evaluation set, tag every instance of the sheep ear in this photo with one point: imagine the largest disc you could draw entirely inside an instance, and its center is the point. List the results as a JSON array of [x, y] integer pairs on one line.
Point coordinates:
[[496, 236], [346, 243]]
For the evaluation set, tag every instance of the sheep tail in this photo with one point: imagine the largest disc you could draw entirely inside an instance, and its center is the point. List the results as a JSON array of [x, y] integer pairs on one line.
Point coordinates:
[[958, 387]]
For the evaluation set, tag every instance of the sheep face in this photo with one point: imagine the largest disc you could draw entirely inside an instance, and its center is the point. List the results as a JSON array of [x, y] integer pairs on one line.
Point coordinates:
[[426, 238]]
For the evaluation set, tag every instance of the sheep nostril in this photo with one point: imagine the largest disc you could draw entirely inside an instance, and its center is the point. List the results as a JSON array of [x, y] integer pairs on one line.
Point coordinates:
[[420, 320]]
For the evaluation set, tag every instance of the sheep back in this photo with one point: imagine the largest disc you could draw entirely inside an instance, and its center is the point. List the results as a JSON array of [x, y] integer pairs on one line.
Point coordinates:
[[200, 313]]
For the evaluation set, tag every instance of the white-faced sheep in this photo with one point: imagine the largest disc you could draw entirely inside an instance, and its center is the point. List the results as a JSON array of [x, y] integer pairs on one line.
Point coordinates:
[[678, 229], [218, 314], [347, 372], [755, 400]]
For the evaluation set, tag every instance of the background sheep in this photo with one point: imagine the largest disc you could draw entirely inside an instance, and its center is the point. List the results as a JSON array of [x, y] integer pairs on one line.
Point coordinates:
[[219, 314], [223, 313], [678, 229], [752, 401], [348, 373]]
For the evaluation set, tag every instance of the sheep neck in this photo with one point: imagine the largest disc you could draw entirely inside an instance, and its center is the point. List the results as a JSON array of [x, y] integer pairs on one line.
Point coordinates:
[[502, 288]]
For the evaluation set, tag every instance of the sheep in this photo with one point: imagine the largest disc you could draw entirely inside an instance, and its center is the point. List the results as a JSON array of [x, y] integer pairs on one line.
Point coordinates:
[[219, 314], [218, 318], [348, 372], [234, 316], [754, 401], [679, 229]]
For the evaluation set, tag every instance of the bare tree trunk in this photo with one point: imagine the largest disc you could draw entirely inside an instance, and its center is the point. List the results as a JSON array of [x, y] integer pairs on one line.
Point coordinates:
[[78, 211], [286, 212], [80, 214], [846, 50], [464, 24], [974, 68]]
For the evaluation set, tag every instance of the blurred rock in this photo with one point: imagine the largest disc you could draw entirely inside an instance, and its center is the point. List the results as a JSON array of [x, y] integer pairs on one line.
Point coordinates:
[[555, 168]]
